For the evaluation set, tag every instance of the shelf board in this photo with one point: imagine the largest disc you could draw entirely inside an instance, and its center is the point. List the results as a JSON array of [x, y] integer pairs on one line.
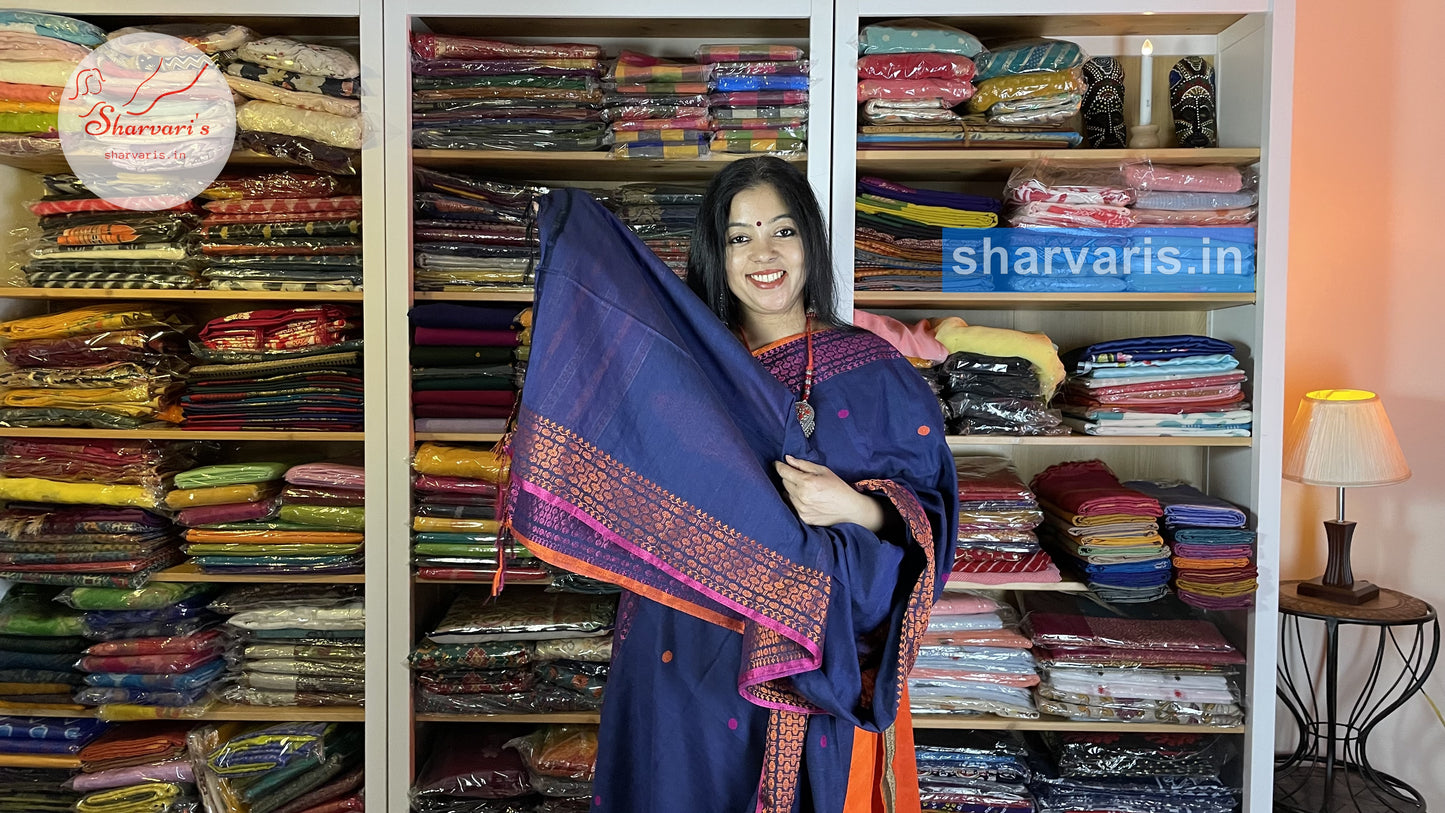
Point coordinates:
[[500, 295], [187, 572], [966, 442], [61, 713], [201, 294], [512, 581], [459, 437], [320, 714], [1004, 300], [1050, 587], [574, 166], [1021, 20], [56, 163], [1049, 723], [579, 717], [178, 434], [982, 163]]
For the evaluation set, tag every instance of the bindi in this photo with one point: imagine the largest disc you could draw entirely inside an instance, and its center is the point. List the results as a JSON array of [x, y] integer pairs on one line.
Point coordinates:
[[760, 222]]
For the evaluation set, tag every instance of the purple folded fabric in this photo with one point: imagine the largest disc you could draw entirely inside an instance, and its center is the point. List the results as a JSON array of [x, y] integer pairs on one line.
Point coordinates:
[[461, 411], [469, 337], [1213, 551], [467, 317], [327, 475], [234, 512], [439, 484], [479, 426], [178, 771], [502, 398], [928, 197]]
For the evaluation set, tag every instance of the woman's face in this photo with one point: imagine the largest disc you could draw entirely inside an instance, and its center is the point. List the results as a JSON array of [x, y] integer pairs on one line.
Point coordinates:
[[764, 254]]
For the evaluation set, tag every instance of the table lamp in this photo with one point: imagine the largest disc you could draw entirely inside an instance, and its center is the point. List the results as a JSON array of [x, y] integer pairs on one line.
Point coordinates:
[[1342, 438]]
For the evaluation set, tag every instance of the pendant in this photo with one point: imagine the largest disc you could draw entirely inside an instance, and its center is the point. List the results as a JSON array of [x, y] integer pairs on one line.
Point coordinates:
[[805, 417]]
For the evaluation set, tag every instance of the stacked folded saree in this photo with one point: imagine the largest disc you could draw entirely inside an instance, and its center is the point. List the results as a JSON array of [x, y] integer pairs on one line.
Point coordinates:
[[471, 233], [1214, 565], [455, 532], [281, 767], [471, 383], [136, 766], [898, 239], [973, 661], [997, 517]]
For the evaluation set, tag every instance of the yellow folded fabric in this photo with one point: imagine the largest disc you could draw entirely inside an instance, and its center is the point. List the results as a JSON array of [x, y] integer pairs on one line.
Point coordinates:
[[928, 215], [460, 461], [1230, 590], [1004, 88], [274, 537], [1183, 563], [220, 495], [29, 107], [34, 489], [958, 335], [90, 319], [455, 526], [138, 400], [150, 796]]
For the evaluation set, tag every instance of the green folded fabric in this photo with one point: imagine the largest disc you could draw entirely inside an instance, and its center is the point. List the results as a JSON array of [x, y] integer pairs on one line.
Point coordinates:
[[230, 474], [468, 550], [151, 597], [331, 517], [28, 610]]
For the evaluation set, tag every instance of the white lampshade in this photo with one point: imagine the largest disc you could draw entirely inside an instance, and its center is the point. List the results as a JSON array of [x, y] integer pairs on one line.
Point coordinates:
[[1343, 438]]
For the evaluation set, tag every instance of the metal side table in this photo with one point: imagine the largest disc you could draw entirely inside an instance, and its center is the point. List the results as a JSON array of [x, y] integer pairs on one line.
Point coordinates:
[[1330, 771]]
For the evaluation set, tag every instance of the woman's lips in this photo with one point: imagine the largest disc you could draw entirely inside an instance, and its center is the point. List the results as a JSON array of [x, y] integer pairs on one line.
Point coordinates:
[[768, 280]]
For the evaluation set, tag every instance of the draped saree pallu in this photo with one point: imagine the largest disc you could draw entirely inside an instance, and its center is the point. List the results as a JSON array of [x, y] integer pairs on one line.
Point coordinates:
[[760, 662]]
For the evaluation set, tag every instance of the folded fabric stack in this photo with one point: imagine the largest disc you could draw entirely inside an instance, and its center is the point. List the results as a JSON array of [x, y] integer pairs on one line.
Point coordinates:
[[1104, 531], [658, 108], [266, 517], [100, 366], [472, 234], [38, 52], [463, 379], [46, 736], [136, 766], [158, 649], [1213, 551], [1134, 773], [1185, 386], [303, 99], [296, 368], [996, 522], [911, 74], [40, 642], [83, 513], [83, 241], [1028, 94], [544, 771], [761, 99], [898, 239], [973, 661], [294, 645], [282, 231], [1219, 202], [280, 767], [1154, 664], [975, 771], [536, 652], [1065, 206], [35, 789], [477, 94], [995, 380], [662, 216], [455, 528]]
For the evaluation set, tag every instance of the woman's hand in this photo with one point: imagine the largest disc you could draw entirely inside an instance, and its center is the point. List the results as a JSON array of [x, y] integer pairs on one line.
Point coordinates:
[[822, 498]]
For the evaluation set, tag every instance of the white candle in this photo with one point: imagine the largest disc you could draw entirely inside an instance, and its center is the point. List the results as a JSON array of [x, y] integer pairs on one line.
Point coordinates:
[[1146, 84]]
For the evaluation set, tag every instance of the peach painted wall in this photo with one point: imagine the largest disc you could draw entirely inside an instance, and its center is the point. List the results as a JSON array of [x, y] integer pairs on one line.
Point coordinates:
[[1367, 305]]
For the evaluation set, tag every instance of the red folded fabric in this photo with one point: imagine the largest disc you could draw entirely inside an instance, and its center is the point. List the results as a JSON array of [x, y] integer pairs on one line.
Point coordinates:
[[1089, 488], [439, 484], [149, 664], [338, 805], [1030, 563], [465, 337], [983, 477], [201, 642]]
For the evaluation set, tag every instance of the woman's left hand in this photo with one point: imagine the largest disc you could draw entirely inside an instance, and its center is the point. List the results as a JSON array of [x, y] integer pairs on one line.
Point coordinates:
[[822, 498]]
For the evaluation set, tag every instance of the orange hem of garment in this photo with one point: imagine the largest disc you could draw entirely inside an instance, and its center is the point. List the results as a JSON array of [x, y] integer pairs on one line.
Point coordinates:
[[562, 560], [865, 773]]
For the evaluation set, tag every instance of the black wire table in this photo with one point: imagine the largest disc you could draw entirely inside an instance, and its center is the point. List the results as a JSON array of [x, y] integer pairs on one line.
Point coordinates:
[[1329, 770]]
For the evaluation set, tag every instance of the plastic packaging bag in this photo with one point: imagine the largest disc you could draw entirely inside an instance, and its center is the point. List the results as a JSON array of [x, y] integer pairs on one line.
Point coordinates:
[[1029, 56], [1008, 88], [275, 596], [560, 751], [954, 91], [474, 617], [914, 35], [468, 764]]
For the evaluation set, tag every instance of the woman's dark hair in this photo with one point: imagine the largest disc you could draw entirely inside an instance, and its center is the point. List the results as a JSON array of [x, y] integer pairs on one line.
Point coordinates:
[[707, 263]]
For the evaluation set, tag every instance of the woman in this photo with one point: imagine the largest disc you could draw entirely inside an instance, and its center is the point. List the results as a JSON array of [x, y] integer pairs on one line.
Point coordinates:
[[773, 489]]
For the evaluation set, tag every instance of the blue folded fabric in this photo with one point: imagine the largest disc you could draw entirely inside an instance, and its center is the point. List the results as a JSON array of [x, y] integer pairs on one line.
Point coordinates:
[[1056, 283], [1185, 505], [1150, 348], [1213, 536], [474, 317], [186, 681], [49, 728], [728, 84], [1207, 365]]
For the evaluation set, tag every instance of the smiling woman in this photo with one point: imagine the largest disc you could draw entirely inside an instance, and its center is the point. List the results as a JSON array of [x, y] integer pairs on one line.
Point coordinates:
[[771, 487]]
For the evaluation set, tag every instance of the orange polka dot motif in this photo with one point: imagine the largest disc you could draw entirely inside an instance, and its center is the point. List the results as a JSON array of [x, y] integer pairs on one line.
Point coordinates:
[[923, 431], [667, 656]]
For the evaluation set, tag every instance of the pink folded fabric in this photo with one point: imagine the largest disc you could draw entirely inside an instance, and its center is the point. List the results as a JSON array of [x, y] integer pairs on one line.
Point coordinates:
[[914, 341], [1166, 178], [1035, 190], [235, 512], [178, 771], [953, 90], [1049, 575], [1199, 217], [1088, 488], [1064, 214], [466, 337], [963, 604], [502, 398], [327, 475], [21, 46]]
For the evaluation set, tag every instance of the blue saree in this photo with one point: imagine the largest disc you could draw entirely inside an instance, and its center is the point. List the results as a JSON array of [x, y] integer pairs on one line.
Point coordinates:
[[751, 647]]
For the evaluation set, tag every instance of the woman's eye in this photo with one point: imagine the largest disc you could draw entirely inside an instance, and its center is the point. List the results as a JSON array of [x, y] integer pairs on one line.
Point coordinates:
[[737, 239], [787, 231]]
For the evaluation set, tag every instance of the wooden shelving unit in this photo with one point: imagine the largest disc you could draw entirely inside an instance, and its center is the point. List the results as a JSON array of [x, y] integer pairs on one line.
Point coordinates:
[[181, 434], [188, 572], [187, 295]]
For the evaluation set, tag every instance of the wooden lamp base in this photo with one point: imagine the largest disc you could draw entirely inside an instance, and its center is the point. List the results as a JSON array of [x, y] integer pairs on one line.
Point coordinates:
[[1338, 584]]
